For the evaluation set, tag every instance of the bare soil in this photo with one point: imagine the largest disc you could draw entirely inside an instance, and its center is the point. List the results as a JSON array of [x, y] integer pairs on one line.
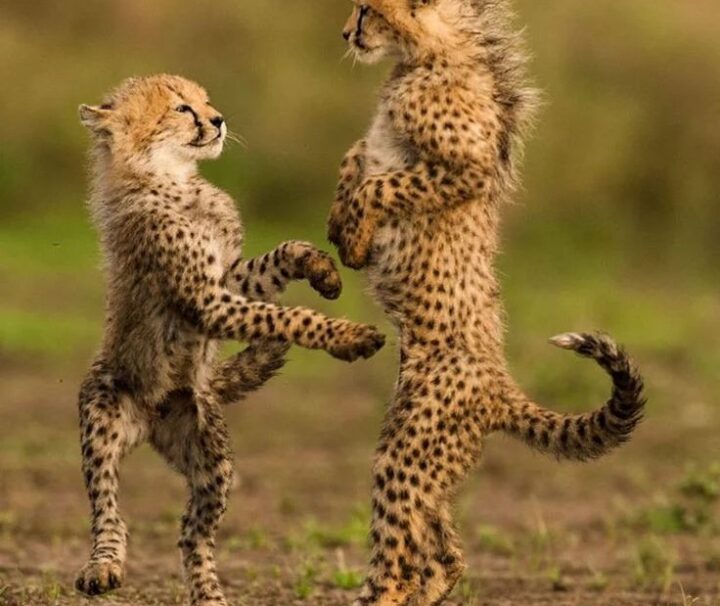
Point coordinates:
[[536, 532]]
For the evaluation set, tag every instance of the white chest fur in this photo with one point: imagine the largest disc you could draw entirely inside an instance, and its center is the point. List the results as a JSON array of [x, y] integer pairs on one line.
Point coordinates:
[[385, 151]]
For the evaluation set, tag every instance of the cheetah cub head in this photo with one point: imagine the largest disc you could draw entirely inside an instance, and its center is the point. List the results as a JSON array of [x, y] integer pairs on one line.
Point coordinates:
[[157, 122], [413, 30]]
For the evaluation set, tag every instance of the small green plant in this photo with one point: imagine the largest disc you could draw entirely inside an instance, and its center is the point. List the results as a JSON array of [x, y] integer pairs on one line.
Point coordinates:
[[538, 543], [53, 591], [51, 588], [495, 541], [252, 573], [598, 581], [703, 485], [254, 538], [347, 579], [344, 577], [669, 518], [305, 580], [467, 593], [557, 581], [690, 508], [653, 564], [353, 532]]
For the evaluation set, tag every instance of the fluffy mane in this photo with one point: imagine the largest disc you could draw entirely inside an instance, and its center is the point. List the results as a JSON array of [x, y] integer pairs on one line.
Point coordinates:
[[504, 51], [487, 36]]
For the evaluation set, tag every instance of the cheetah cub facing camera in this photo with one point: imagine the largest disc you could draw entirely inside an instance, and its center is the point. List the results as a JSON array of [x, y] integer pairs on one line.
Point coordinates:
[[418, 205], [177, 283]]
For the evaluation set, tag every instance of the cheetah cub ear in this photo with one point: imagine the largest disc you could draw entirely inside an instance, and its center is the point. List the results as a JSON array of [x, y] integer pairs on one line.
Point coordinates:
[[95, 117]]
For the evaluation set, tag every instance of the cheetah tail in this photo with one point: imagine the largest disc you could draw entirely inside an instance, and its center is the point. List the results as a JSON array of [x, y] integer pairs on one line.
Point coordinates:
[[584, 436]]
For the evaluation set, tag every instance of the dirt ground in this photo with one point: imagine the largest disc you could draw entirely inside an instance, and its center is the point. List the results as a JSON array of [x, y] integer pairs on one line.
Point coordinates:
[[618, 532]]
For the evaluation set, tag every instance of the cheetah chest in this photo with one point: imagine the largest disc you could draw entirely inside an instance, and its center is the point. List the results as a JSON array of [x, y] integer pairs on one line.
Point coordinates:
[[385, 150]]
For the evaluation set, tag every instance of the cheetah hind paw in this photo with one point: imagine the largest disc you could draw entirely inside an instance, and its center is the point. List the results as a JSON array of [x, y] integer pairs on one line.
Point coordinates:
[[97, 578]]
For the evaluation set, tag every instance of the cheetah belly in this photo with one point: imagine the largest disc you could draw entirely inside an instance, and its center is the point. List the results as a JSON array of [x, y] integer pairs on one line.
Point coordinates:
[[189, 357]]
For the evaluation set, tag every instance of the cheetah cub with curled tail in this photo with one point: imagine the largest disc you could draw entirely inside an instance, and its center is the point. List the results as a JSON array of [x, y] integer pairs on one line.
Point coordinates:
[[418, 205], [177, 284]]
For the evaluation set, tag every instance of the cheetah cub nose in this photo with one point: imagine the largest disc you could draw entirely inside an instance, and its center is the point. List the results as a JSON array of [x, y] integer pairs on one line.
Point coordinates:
[[217, 121]]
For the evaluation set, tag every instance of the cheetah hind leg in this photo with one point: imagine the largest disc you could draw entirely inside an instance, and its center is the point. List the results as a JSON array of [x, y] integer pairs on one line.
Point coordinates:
[[247, 371], [109, 430], [450, 560], [454, 569], [193, 438]]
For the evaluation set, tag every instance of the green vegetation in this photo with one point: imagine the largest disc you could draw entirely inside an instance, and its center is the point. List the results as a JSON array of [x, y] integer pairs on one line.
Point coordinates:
[[344, 577], [305, 579], [495, 541], [692, 506], [353, 532], [653, 564]]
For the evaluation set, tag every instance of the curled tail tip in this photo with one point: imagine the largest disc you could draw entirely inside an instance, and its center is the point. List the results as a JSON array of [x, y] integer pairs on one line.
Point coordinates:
[[569, 340], [590, 345]]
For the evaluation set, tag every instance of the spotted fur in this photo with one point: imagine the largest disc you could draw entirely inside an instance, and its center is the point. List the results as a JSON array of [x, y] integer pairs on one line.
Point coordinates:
[[177, 284], [418, 206]]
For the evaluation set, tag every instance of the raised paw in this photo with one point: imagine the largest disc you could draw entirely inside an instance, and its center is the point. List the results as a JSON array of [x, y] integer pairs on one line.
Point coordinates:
[[320, 270], [97, 578], [335, 222], [351, 238], [351, 227], [357, 341], [354, 247]]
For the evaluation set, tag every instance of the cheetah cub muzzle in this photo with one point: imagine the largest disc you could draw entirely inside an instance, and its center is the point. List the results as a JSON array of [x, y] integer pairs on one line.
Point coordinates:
[[177, 284], [418, 207]]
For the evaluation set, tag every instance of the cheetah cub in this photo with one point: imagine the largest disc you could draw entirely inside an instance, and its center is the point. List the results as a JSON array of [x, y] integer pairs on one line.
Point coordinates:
[[177, 284], [418, 205]]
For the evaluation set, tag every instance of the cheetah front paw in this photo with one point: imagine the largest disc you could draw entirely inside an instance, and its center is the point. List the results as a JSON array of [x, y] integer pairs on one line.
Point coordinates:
[[355, 245], [357, 341], [97, 578], [352, 229], [335, 222], [320, 270]]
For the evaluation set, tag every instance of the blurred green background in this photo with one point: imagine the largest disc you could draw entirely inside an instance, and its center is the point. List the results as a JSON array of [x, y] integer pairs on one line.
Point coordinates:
[[617, 227]]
